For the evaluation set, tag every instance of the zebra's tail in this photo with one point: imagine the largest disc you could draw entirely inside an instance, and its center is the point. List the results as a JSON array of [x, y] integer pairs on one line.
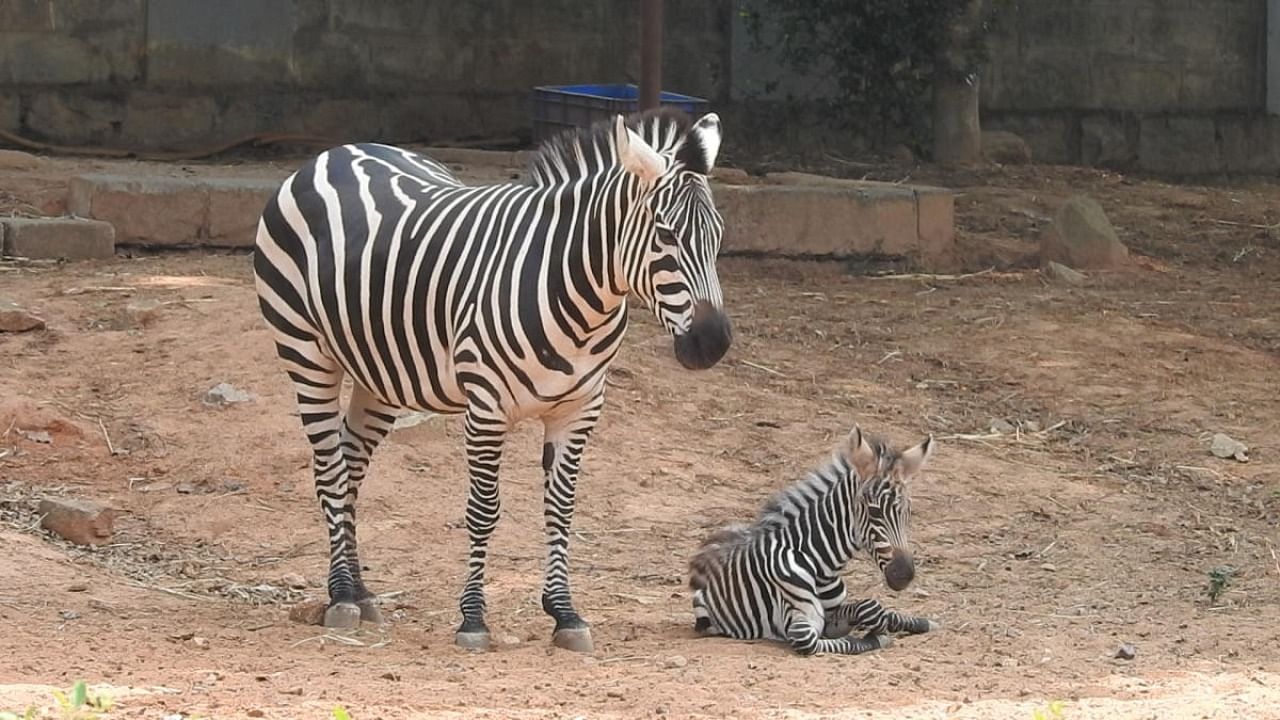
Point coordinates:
[[712, 552]]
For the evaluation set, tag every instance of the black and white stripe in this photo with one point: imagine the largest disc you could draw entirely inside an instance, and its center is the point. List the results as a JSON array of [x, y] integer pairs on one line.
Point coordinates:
[[779, 577], [502, 302]]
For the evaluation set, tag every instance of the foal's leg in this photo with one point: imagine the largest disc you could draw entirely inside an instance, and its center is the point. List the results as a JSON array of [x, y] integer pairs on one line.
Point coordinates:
[[872, 617], [805, 637], [566, 434]]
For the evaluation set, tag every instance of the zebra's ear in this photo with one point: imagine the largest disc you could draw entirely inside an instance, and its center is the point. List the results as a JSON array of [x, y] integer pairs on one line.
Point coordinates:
[[635, 154], [913, 459], [860, 454]]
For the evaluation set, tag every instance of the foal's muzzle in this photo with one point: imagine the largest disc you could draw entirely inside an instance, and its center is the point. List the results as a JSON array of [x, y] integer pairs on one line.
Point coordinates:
[[707, 339], [900, 570]]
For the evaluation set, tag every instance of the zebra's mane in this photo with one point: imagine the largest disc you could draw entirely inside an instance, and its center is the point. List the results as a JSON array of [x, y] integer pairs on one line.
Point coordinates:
[[560, 159]]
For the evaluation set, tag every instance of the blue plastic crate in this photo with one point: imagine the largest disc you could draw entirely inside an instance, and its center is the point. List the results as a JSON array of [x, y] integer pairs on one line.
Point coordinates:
[[559, 107]]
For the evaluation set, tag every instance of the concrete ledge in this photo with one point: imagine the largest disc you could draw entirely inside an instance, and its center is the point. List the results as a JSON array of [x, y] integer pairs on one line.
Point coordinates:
[[793, 214], [162, 211], [57, 238]]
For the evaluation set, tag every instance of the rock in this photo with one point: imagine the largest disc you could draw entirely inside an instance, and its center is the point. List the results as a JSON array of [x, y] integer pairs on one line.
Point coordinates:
[[309, 612], [77, 588], [1002, 426], [508, 641], [224, 394], [1225, 446], [1082, 237], [1005, 148], [18, 160], [1126, 652], [143, 313], [293, 581], [255, 713], [79, 521], [411, 419], [13, 318], [676, 661], [200, 643], [1059, 273], [69, 615], [37, 436]]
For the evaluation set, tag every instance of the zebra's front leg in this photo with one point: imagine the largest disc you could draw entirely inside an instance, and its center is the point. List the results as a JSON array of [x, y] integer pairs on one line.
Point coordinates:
[[484, 440], [805, 638], [565, 439], [872, 617]]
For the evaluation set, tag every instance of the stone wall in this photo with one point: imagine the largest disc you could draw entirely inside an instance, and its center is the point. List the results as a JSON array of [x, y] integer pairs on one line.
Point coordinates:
[[1169, 86], [193, 73]]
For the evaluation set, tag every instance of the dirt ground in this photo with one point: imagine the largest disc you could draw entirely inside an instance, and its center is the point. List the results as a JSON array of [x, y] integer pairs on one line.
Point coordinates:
[[1094, 520]]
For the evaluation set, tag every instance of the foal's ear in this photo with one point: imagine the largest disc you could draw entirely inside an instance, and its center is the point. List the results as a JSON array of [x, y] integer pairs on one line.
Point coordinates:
[[860, 454], [913, 459], [702, 144], [635, 155]]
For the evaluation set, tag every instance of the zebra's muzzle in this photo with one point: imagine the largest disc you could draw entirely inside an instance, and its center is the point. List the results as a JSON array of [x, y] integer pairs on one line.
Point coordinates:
[[900, 570], [707, 339]]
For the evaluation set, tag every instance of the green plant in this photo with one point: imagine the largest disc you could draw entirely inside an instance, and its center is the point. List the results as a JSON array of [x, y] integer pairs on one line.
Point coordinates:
[[1219, 579], [76, 704], [340, 713], [883, 55], [1052, 711]]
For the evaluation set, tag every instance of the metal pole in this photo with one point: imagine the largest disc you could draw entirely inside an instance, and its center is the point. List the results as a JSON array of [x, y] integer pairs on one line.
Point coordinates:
[[650, 53]]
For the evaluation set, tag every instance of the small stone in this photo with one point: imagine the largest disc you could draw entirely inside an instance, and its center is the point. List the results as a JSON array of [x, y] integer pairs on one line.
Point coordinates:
[[615, 694], [508, 640], [144, 312], [393, 677], [293, 581], [232, 486], [675, 661], [79, 521], [1126, 652], [1031, 426], [69, 615], [1059, 273], [294, 691], [200, 643], [37, 436], [15, 319], [1049, 567], [1002, 426], [77, 588], [224, 394], [255, 712], [309, 612], [1227, 447]]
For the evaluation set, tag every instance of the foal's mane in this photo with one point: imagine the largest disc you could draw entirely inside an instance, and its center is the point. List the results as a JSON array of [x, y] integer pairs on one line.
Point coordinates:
[[582, 152]]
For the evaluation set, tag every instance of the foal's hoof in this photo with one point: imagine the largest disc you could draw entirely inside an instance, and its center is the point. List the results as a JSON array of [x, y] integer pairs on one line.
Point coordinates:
[[932, 626], [342, 616], [883, 641], [472, 640], [574, 639], [369, 611]]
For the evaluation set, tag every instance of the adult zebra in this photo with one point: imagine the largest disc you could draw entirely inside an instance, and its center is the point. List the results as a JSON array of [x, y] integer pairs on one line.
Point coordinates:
[[503, 302]]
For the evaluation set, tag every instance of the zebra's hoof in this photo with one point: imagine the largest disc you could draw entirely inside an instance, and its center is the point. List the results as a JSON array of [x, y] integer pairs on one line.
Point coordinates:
[[933, 626], [478, 640], [342, 616], [370, 612], [574, 639], [883, 641]]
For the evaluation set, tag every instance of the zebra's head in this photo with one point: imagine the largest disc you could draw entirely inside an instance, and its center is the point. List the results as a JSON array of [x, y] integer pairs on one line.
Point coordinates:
[[882, 507], [676, 276]]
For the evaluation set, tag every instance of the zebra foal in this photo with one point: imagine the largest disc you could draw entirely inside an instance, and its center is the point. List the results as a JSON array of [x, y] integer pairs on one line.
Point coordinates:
[[779, 577], [502, 303]]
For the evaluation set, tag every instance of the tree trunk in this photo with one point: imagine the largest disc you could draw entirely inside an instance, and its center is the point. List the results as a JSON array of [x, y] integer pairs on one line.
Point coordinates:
[[957, 134]]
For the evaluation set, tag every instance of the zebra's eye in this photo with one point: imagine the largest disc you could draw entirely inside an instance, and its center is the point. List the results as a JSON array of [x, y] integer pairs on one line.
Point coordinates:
[[666, 235]]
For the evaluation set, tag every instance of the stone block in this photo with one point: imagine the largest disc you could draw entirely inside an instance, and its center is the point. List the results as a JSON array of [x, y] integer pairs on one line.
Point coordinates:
[[935, 223], [53, 238], [1109, 141], [79, 521], [829, 219], [143, 210], [162, 211], [234, 209], [1179, 146]]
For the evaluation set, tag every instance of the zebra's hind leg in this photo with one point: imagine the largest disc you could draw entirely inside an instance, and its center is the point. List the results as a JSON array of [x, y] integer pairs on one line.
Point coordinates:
[[366, 424], [485, 437], [870, 616], [566, 434], [804, 637]]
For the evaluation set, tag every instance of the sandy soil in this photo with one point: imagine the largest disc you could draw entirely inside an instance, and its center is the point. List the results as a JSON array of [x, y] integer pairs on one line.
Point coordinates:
[[1042, 551]]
